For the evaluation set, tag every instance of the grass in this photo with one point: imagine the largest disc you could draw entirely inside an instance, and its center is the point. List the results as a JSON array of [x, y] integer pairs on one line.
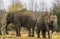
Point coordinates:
[[25, 36]]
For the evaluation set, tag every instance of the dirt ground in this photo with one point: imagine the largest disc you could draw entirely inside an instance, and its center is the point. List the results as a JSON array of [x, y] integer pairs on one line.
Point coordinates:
[[24, 35]]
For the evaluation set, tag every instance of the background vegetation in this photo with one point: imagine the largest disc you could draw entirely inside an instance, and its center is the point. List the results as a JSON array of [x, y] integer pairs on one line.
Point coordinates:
[[56, 11], [19, 6]]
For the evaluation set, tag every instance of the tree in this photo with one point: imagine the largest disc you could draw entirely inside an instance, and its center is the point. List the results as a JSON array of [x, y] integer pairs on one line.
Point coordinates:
[[56, 11], [31, 5], [15, 7], [1, 5], [43, 6]]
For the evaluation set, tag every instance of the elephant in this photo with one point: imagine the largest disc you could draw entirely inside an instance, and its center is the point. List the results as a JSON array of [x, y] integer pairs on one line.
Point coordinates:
[[25, 19], [52, 25], [43, 24]]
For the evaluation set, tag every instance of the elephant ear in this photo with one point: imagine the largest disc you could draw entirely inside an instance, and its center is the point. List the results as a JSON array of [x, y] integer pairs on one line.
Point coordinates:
[[50, 23], [54, 19]]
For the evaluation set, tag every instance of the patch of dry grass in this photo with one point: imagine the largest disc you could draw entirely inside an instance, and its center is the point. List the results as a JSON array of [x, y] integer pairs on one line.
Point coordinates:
[[25, 36]]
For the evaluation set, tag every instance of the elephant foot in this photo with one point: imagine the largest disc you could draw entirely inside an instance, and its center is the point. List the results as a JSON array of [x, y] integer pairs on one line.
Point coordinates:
[[49, 38], [7, 33], [44, 36], [18, 35], [32, 35], [0, 34], [29, 35], [38, 36]]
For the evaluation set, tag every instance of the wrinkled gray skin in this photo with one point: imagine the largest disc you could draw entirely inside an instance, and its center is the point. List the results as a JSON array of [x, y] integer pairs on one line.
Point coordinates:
[[22, 19], [43, 25]]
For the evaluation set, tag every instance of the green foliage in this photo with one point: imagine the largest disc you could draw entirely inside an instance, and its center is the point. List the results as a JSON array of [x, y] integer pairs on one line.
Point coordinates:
[[15, 7], [58, 28], [11, 26], [56, 11]]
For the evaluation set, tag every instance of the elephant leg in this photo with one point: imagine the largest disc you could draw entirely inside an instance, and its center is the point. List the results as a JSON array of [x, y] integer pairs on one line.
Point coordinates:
[[17, 28], [44, 33], [16, 31], [19, 31], [32, 32], [29, 34], [38, 33], [0, 32], [48, 34], [6, 30]]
